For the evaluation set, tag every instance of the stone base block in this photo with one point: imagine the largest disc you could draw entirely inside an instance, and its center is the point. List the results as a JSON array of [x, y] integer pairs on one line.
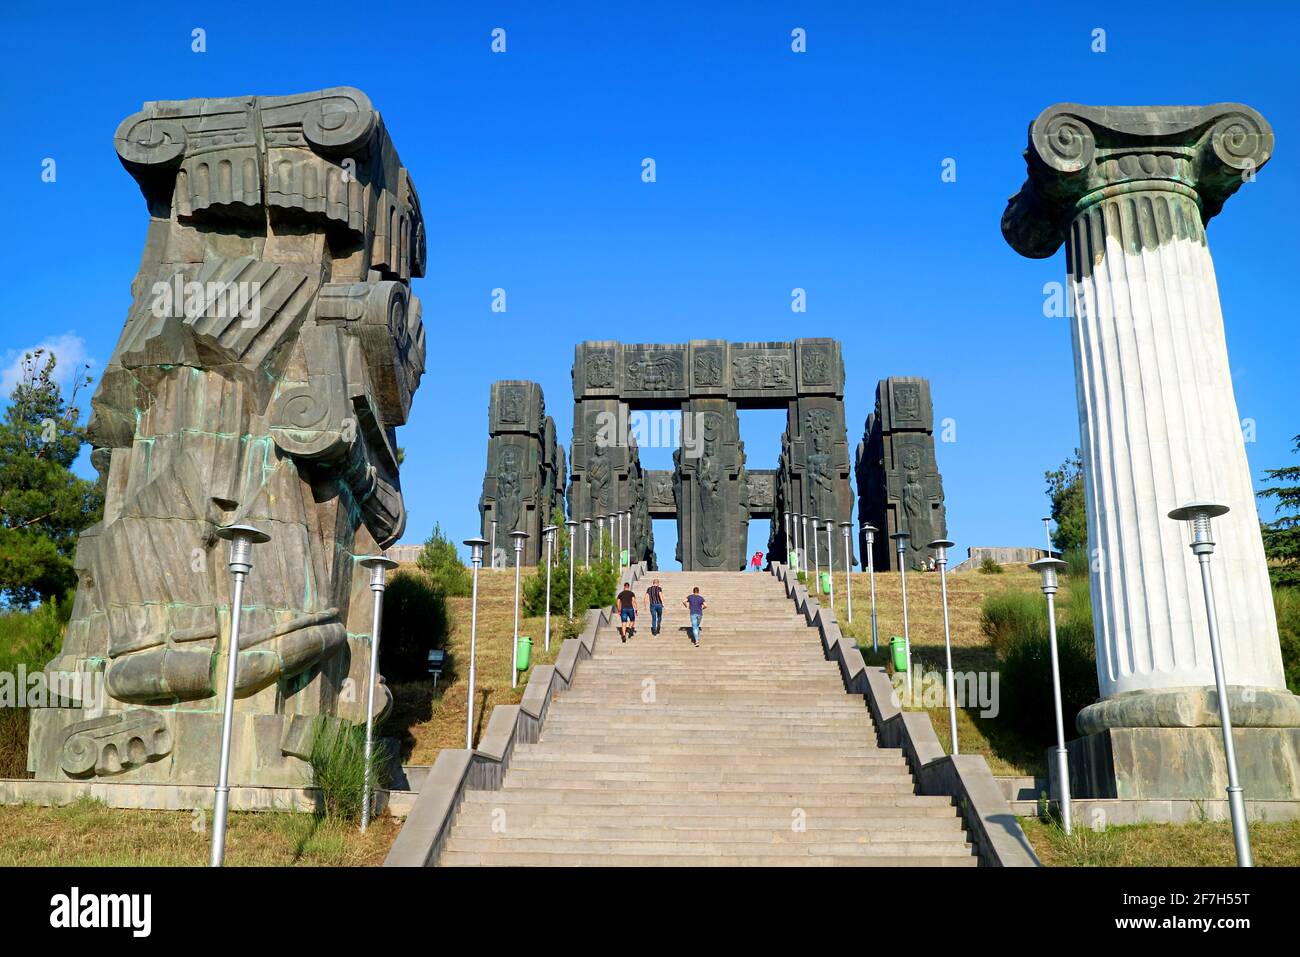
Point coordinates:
[[1183, 764]]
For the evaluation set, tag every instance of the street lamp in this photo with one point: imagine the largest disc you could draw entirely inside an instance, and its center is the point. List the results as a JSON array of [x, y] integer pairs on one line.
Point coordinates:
[[798, 562], [476, 559], [378, 565], [586, 542], [940, 547], [1198, 516], [830, 559], [901, 538], [600, 539], [870, 531], [817, 561], [493, 552], [242, 538], [1049, 568], [514, 653], [549, 533], [1047, 530], [572, 525], [848, 568]]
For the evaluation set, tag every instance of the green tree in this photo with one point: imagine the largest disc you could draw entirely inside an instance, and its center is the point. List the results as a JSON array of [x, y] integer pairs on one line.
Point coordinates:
[[1065, 489], [43, 505], [1282, 535], [440, 561]]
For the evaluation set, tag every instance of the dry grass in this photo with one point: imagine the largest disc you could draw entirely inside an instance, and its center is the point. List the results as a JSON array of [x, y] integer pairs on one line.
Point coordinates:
[[425, 721], [1006, 752], [88, 833], [1206, 844]]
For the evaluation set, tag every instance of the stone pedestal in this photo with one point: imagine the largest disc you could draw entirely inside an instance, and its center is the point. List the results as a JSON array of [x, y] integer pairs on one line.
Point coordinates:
[[1129, 191]]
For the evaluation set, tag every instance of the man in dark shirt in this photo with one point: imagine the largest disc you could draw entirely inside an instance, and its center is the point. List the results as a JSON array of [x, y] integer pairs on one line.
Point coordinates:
[[695, 604], [654, 596], [626, 612]]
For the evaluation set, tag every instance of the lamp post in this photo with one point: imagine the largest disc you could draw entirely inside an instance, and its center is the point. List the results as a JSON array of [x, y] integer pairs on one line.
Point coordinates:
[[901, 538], [794, 529], [1049, 568], [493, 551], [618, 516], [476, 559], [785, 521], [817, 560], [1047, 530], [830, 559], [848, 568], [586, 542], [600, 539], [549, 533], [514, 653], [378, 565], [242, 538], [1198, 516], [572, 525], [940, 547], [870, 531]]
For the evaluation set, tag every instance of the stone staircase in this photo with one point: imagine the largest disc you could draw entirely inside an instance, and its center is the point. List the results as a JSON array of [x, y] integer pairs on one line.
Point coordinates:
[[744, 751]]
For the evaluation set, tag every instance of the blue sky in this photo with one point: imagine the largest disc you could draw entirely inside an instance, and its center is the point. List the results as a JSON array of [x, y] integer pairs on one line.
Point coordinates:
[[775, 170]]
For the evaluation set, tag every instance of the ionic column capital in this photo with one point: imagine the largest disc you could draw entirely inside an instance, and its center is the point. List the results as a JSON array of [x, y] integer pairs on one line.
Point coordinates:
[[1078, 155]]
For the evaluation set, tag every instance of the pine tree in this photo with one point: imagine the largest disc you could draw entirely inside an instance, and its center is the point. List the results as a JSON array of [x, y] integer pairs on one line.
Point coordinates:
[[43, 505], [1282, 535]]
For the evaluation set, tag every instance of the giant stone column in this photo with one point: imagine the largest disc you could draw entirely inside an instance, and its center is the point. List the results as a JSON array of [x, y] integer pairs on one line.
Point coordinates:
[[1129, 191]]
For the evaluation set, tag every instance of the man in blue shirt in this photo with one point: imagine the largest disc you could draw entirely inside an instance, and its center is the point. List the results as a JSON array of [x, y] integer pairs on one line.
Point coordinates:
[[695, 604]]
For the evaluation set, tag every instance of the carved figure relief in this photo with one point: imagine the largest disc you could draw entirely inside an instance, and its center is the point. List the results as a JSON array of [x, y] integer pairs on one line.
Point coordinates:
[[600, 370], [660, 373]]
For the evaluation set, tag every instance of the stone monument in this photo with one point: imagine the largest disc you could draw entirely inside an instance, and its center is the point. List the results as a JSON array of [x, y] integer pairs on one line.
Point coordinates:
[[524, 481], [899, 486], [711, 491], [272, 347], [1129, 191]]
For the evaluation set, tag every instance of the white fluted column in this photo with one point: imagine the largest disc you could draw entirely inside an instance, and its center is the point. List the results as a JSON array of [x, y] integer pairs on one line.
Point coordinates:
[[1128, 189]]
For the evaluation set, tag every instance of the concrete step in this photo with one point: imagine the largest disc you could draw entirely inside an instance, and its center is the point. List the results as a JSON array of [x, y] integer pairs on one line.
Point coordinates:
[[886, 802], [505, 858], [725, 767], [819, 845], [903, 831], [878, 782], [704, 751]]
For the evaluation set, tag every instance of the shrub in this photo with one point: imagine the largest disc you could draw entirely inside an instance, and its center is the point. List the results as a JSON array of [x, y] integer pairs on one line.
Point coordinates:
[[1016, 623], [30, 639], [415, 622], [1010, 615], [338, 767], [1076, 560], [1287, 603], [440, 561], [593, 587], [990, 567]]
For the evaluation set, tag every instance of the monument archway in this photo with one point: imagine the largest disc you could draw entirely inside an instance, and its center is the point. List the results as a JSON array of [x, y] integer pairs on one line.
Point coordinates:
[[711, 491]]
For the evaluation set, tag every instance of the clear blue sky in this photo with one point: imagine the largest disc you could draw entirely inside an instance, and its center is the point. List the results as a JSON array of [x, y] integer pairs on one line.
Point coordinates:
[[775, 170]]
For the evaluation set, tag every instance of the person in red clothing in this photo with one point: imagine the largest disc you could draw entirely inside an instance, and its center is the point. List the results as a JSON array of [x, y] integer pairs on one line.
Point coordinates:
[[757, 561]]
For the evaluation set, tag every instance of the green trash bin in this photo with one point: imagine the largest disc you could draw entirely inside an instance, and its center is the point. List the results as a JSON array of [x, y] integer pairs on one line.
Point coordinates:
[[899, 649], [794, 562], [524, 654], [624, 556], [826, 583]]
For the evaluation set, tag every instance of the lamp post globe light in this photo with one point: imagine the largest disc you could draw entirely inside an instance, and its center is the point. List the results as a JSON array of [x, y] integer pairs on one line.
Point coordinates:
[[869, 531], [901, 538], [378, 565], [549, 533], [940, 548], [242, 538], [586, 542], [848, 568], [476, 546], [514, 650], [1049, 568], [572, 525], [1198, 515]]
